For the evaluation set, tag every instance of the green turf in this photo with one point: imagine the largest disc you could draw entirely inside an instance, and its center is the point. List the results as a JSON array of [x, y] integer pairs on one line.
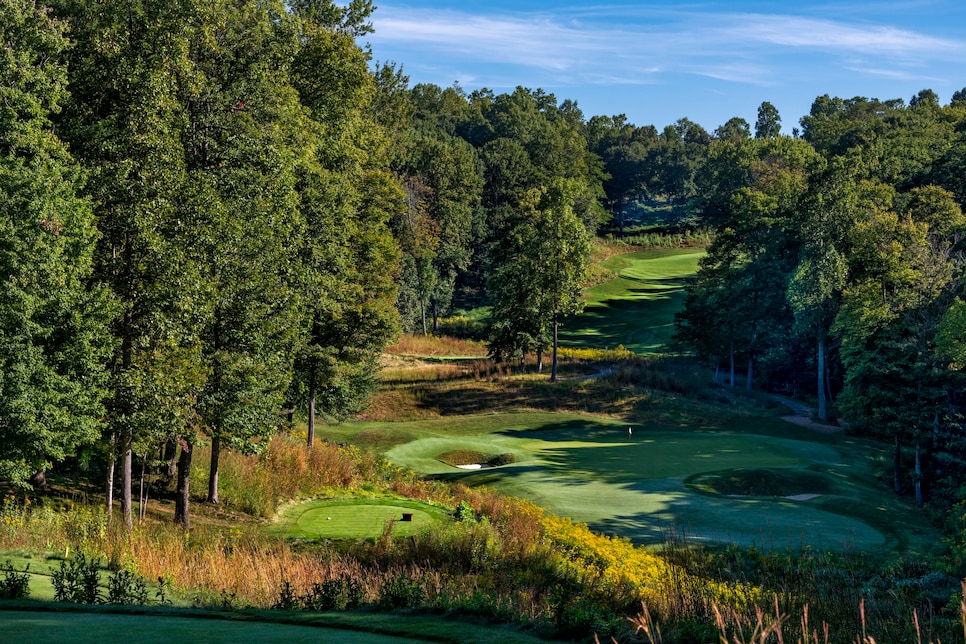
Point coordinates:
[[356, 518], [36, 622], [636, 309], [642, 486], [24, 626]]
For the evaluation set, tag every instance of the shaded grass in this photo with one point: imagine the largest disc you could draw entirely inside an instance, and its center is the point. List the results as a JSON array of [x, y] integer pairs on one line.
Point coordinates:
[[635, 309], [31, 622], [762, 482]]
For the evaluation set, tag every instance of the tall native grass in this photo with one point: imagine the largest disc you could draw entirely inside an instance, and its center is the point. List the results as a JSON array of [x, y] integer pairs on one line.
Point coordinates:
[[506, 559]]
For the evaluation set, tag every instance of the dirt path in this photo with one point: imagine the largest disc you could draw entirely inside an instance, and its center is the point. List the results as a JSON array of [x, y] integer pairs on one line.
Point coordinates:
[[802, 416]]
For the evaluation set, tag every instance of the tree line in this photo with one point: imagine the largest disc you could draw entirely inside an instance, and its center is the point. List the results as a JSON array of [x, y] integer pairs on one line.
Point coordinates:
[[217, 214]]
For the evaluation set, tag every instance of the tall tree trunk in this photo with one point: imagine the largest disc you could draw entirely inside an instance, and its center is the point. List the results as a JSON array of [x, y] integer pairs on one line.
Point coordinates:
[[170, 457], [553, 363], [422, 313], [435, 317], [897, 467], [126, 480], [127, 362], [751, 357], [919, 499], [111, 460], [142, 496], [181, 493], [822, 403], [731, 357], [540, 360], [213, 471], [312, 392]]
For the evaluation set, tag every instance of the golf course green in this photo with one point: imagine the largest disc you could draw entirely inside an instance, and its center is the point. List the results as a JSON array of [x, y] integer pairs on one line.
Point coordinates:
[[637, 485]]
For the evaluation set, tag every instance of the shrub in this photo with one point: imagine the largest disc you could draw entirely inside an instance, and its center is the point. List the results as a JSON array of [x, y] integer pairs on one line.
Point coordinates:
[[502, 459], [340, 593], [14, 584], [400, 590], [76, 580], [126, 587]]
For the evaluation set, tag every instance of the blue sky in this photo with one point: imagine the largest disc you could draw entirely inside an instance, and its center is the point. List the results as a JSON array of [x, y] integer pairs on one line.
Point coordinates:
[[659, 61]]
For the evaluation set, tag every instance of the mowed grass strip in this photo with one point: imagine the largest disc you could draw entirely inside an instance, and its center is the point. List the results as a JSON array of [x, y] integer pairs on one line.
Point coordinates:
[[356, 518], [635, 309]]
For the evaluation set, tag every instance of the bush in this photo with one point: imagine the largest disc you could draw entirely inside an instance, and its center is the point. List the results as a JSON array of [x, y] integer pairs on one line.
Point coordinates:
[[76, 580], [464, 512], [502, 459], [341, 593], [126, 587], [14, 584], [400, 590]]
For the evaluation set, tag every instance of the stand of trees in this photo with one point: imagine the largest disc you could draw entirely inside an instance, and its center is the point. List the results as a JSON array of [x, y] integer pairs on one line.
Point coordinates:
[[214, 211]]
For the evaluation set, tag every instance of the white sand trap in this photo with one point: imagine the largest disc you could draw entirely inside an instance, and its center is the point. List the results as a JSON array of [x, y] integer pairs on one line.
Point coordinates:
[[472, 466], [802, 497]]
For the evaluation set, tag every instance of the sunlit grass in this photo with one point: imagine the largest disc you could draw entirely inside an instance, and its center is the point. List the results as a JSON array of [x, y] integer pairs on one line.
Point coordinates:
[[636, 308]]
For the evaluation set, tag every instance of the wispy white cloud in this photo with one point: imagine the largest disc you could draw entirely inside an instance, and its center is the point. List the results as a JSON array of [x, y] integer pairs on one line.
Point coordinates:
[[632, 45], [810, 33]]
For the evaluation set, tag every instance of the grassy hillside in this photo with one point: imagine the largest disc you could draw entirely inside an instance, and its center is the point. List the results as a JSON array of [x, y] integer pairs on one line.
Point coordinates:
[[636, 307]]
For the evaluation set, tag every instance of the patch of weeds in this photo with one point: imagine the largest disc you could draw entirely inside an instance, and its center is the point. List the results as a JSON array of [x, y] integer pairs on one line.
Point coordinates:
[[126, 587], [14, 584], [464, 513], [76, 580], [341, 593], [161, 594], [401, 591]]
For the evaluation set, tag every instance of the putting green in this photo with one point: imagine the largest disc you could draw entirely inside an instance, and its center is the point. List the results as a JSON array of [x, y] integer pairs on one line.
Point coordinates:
[[635, 485], [356, 518]]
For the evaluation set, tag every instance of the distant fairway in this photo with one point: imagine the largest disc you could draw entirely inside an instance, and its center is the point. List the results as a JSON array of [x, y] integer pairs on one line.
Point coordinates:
[[636, 309]]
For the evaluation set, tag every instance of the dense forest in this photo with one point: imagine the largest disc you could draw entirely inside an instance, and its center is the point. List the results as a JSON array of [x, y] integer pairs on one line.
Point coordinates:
[[216, 215]]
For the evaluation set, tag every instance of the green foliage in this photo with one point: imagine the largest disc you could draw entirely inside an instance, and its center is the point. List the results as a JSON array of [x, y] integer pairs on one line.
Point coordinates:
[[77, 580], [341, 593], [53, 325], [14, 584], [127, 587], [464, 512], [401, 590]]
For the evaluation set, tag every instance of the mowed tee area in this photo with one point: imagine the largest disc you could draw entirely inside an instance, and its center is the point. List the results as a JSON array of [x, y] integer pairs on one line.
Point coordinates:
[[750, 479]]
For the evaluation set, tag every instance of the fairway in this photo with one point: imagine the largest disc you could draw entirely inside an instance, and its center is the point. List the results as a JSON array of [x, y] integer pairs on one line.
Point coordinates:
[[638, 486], [356, 518], [635, 309]]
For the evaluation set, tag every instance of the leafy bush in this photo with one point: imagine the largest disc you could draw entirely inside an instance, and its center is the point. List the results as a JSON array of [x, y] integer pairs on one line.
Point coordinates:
[[76, 580], [464, 512], [14, 584], [340, 593], [401, 590], [502, 459], [126, 587]]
